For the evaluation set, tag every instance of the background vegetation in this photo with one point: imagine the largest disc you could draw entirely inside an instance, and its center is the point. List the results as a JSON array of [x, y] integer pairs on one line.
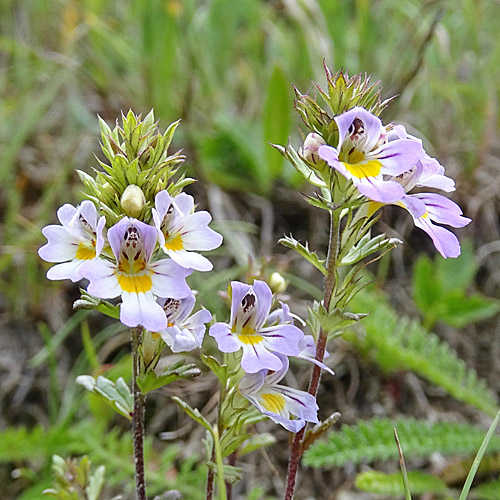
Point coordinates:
[[225, 68]]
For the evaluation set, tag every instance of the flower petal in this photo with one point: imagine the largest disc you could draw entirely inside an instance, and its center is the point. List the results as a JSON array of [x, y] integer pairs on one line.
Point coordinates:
[[142, 309], [256, 357], [372, 127], [226, 341]]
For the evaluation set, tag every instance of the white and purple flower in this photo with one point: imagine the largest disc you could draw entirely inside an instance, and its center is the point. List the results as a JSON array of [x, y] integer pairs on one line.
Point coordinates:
[[135, 277], [182, 232], [427, 208], [364, 156], [278, 402], [183, 332], [250, 331], [77, 240]]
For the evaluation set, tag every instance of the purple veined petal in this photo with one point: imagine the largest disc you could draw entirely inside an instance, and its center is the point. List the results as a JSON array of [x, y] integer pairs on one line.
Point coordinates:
[[398, 156], [190, 260], [256, 357], [197, 236], [66, 270], [185, 203], [372, 127], [280, 315], [307, 348], [226, 341], [443, 210], [198, 319], [66, 213], [314, 361], [149, 236], [379, 190], [445, 241], [238, 292], [88, 211], [446, 184], [169, 279], [330, 155], [60, 246], [415, 206], [103, 281], [142, 309], [282, 338], [396, 132], [187, 304], [273, 378], [251, 383], [116, 234], [157, 219], [162, 204], [290, 425], [169, 335], [179, 340], [264, 299], [300, 403], [100, 236]]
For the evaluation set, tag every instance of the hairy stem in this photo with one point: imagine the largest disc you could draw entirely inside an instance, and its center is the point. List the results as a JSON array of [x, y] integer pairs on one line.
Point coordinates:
[[138, 417], [328, 290]]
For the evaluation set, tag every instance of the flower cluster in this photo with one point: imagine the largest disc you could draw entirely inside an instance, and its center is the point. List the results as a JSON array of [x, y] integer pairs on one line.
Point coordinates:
[[127, 263], [385, 163], [266, 339]]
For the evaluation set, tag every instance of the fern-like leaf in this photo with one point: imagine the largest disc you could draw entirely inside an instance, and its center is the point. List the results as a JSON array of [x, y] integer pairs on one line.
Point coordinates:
[[391, 484], [396, 342], [374, 440]]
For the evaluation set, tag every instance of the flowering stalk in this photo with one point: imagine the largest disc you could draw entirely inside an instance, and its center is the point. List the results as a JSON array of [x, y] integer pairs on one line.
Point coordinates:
[[138, 417], [296, 448]]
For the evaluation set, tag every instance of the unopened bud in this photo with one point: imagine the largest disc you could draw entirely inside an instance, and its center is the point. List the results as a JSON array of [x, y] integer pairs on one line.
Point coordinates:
[[310, 150], [277, 283], [133, 201]]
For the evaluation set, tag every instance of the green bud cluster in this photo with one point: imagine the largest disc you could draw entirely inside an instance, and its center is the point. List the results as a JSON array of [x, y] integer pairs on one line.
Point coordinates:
[[343, 93], [139, 167]]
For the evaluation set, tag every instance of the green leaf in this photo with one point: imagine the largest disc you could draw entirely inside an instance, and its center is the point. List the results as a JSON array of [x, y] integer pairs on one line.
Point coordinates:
[[312, 257], [367, 246], [220, 371], [151, 381], [460, 311], [256, 442], [96, 482], [276, 118], [117, 394], [479, 457], [193, 413], [395, 342], [390, 484], [374, 440]]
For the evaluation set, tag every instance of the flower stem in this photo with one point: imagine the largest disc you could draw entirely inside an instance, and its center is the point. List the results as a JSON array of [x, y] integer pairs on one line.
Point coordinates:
[[138, 417], [329, 287]]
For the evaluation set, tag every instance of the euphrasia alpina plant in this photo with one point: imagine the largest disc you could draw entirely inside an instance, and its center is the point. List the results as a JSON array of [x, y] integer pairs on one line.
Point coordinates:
[[137, 237]]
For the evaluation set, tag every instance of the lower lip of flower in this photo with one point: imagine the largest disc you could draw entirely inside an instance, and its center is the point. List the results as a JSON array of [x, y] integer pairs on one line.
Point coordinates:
[[135, 283], [175, 243], [364, 169], [84, 252]]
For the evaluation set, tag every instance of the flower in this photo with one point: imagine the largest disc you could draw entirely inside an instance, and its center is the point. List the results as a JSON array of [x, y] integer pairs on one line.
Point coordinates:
[[182, 231], [249, 329], [183, 332], [427, 208], [78, 240], [279, 402], [135, 277], [364, 155]]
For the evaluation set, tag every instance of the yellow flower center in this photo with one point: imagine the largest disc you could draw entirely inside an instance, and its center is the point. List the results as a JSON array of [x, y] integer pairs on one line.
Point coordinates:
[[274, 403], [174, 243], [135, 283], [85, 251], [363, 168]]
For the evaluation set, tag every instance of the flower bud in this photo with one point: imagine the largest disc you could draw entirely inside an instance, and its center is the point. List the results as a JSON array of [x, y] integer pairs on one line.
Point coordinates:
[[277, 283], [310, 150], [133, 201]]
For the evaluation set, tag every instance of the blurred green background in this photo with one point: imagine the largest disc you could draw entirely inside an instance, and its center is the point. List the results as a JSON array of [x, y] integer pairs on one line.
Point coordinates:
[[226, 68]]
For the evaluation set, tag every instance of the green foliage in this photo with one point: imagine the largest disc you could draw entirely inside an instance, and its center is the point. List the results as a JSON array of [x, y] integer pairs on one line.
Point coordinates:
[[312, 257], [488, 491], [391, 484], [440, 291], [374, 440], [151, 381], [74, 480], [117, 394], [396, 343]]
